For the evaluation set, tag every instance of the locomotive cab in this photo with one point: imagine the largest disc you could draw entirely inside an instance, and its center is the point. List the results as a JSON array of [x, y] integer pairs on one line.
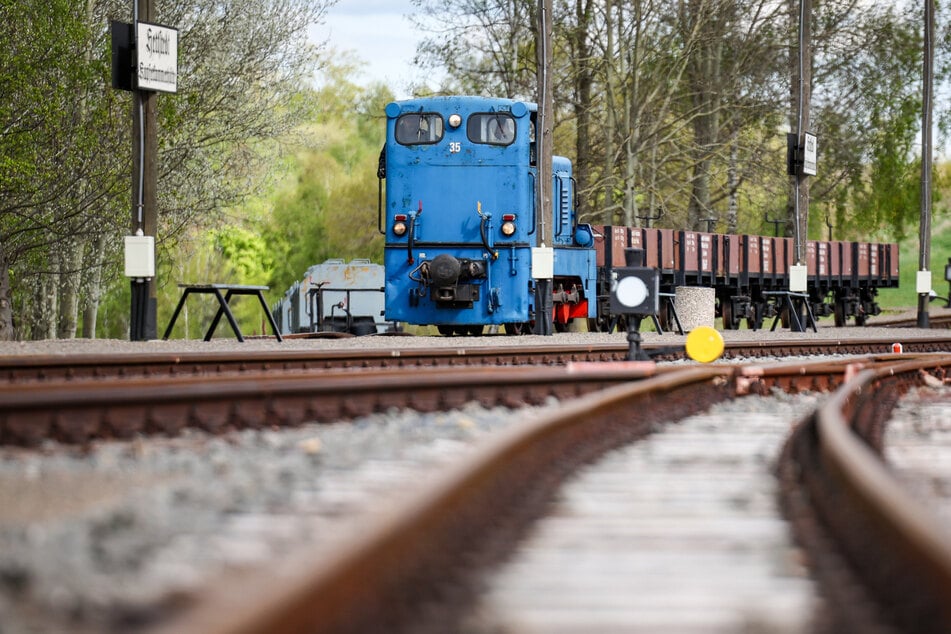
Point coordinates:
[[460, 218]]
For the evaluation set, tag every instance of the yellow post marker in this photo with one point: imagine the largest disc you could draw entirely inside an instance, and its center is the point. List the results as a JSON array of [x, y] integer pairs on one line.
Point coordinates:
[[704, 344]]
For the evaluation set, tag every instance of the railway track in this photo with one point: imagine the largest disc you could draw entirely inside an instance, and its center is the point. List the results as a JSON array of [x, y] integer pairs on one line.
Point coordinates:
[[426, 552], [880, 555], [78, 412], [938, 319], [413, 566], [75, 367], [78, 398]]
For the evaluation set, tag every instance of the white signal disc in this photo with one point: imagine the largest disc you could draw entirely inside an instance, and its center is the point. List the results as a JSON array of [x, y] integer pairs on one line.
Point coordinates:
[[631, 291]]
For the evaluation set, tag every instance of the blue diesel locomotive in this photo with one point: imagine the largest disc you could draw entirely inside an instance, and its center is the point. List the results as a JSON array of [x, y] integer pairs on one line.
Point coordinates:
[[462, 250], [460, 219]]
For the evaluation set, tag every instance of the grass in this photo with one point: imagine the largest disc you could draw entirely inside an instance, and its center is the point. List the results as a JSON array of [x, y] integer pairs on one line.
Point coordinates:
[[904, 297]]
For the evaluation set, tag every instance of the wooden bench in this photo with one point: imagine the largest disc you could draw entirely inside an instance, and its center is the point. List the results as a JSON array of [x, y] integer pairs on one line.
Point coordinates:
[[224, 308]]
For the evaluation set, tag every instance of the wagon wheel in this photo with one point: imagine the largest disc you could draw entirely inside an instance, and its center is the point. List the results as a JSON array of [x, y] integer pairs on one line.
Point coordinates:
[[600, 324], [473, 331], [726, 312], [838, 311], [446, 331], [786, 319], [663, 317], [755, 320], [561, 326]]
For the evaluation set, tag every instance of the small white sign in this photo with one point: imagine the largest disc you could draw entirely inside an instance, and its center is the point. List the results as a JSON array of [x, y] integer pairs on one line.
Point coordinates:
[[810, 154], [157, 54]]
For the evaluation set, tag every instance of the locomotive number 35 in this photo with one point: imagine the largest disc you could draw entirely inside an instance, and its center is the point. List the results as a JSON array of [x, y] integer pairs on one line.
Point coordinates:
[[455, 147]]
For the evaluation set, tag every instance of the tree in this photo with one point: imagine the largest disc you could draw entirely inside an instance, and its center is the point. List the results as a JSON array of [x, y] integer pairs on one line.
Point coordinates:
[[64, 139], [327, 205], [680, 106]]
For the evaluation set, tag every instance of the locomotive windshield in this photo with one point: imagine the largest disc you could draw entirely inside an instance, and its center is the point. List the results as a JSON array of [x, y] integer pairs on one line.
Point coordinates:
[[493, 128], [419, 128]]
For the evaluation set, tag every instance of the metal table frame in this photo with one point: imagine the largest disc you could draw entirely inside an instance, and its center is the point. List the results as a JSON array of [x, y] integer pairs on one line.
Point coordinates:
[[223, 306], [795, 324]]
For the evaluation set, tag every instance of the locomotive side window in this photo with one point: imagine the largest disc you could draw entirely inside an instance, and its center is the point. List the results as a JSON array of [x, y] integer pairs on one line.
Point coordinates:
[[419, 128], [493, 128]]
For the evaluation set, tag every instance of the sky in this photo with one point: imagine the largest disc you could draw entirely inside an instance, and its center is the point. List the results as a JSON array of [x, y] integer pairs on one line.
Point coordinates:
[[380, 35]]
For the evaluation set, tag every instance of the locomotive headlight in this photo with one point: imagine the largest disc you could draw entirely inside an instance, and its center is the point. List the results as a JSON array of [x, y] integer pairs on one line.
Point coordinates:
[[399, 227], [455, 121], [508, 225]]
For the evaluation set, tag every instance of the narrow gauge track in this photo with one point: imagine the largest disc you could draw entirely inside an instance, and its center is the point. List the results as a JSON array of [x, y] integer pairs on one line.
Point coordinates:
[[72, 411], [36, 368], [78, 412], [937, 320], [880, 555], [391, 576]]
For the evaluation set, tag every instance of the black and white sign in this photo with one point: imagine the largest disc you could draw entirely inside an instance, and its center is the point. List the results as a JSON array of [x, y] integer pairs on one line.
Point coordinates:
[[157, 55], [809, 154], [635, 290]]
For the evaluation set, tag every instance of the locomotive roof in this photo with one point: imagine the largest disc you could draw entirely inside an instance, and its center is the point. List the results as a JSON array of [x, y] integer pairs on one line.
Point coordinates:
[[467, 103]]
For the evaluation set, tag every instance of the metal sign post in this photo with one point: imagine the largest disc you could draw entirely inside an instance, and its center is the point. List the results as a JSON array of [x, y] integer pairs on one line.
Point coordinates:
[[543, 255], [144, 61], [923, 281]]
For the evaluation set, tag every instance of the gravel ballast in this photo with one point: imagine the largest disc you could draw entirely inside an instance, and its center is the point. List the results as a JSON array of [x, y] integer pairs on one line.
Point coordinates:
[[99, 539]]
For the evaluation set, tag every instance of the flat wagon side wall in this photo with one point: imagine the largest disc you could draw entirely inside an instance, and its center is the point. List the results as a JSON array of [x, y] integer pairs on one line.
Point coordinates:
[[744, 263]]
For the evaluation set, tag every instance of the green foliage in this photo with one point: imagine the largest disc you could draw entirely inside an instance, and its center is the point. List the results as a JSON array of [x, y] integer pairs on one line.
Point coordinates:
[[245, 251], [905, 297], [326, 207]]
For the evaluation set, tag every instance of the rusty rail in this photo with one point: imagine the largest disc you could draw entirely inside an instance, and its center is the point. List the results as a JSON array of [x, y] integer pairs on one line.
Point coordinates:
[[76, 367], [424, 550], [880, 556], [76, 412]]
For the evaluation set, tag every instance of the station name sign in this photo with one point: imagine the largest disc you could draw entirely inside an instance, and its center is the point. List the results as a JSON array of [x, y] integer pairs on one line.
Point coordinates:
[[157, 57], [809, 154]]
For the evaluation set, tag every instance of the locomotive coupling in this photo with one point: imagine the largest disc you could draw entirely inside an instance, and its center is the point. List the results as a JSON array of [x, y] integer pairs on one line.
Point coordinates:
[[447, 270], [448, 274]]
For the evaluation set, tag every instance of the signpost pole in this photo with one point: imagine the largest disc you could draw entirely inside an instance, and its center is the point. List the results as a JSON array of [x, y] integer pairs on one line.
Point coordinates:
[[155, 68], [542, 257], [142, 324], [923, 281]]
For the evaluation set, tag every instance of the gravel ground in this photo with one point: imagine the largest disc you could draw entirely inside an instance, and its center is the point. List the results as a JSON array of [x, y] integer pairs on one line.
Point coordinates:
[[98, 539], [91, 539], [918, 446]]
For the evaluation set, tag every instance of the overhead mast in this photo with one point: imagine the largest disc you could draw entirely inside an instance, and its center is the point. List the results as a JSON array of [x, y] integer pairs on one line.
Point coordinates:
[[543, 255], [142, 326], [923, 281]]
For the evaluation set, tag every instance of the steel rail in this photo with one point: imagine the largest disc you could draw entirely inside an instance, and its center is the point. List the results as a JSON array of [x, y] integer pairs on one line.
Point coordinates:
[[77, 412], [377, 581], [898, 552], [937, 320], [30, 368], [820, 376]]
